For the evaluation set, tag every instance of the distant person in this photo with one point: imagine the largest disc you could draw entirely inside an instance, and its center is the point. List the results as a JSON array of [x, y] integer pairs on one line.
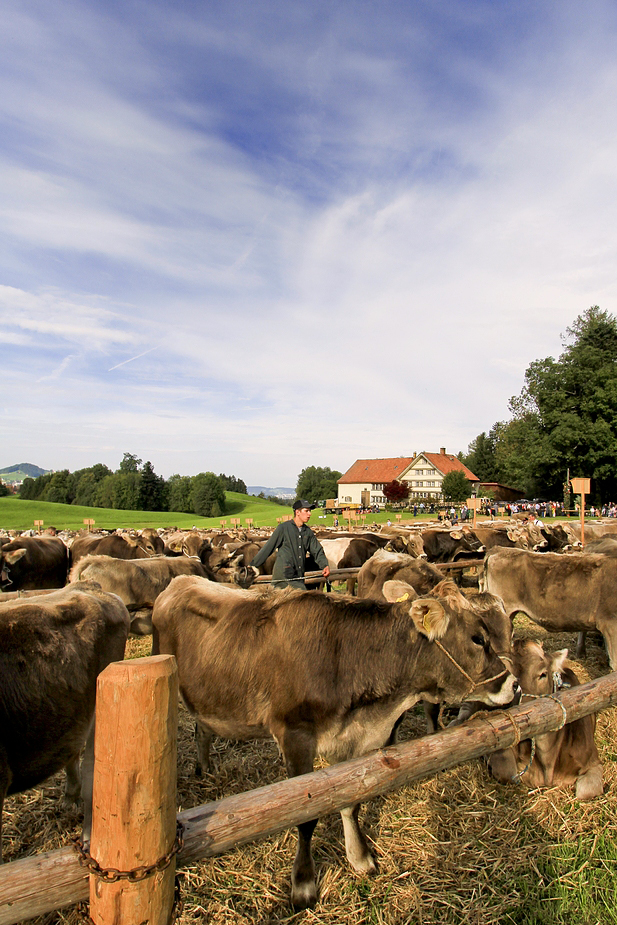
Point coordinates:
[[294, 541]]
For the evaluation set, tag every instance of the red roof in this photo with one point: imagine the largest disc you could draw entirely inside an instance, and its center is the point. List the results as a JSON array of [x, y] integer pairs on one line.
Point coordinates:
[[376, 470], [379, 471], [446, 462]]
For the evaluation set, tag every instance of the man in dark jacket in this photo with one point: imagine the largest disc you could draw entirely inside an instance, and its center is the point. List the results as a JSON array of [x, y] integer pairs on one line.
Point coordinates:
[[294, 541]]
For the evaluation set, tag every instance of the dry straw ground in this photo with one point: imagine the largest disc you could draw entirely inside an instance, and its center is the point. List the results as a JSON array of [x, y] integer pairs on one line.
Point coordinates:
[[458, 848]]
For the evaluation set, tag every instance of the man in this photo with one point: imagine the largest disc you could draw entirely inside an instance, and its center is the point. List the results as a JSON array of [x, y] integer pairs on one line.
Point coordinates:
[[294, 542]]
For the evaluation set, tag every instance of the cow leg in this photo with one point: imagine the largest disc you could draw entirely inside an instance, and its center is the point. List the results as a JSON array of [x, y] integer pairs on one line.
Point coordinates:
[[5, 779], [87, 774], [298, 748], [359, 854], [72, 786], [351, 585], [609, 631], [581, 651], [203, 740]]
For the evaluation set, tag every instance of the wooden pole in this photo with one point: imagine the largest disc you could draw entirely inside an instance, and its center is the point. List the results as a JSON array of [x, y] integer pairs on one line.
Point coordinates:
[[134, 789], [40, 884]]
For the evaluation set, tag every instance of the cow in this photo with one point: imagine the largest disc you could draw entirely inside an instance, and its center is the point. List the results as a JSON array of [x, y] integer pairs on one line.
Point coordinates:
[[137, 582], [348, 552], [385, 566], [52, 647], [322, 674], [402, 539], [118, 546], [562, 593], [567, 756], [33, 562], [451, 545]]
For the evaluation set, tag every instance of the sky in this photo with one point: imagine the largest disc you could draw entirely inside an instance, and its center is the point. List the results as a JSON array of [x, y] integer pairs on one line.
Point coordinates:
[[250, 237]]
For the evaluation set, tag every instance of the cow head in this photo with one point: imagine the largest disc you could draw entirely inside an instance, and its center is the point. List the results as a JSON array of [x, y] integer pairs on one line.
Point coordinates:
[[539, 674], [9, 558]]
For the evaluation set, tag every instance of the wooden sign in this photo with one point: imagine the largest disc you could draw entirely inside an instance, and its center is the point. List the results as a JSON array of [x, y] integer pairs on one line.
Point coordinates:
[[248, 521], [399, 517], [89, 523], [581, 487], [39, 524], [223, 524], [236, 522]]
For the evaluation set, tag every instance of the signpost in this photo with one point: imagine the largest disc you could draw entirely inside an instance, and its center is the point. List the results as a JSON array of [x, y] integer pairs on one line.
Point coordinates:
[[89, 523], [581, 487], [473, 504], [39, 524]]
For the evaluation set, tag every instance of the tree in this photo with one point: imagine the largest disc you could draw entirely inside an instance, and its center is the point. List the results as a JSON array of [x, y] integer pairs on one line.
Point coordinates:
[[455, 487], [179, 494], [565, 417], [130, 463], [231, 483], [4, 489], [316, 483], [152, 491], [481, 456], [396, 491], [59, 487], [207, 495]]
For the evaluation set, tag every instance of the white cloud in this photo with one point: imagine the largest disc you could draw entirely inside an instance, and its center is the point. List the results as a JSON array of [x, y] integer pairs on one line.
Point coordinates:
[[335, 239]]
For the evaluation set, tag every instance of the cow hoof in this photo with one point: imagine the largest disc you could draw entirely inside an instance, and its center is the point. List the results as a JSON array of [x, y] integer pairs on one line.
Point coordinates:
[[366, 866], [303, 895]]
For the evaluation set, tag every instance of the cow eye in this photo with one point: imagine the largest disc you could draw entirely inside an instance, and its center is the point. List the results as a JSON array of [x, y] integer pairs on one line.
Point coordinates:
[[543, 674], [478, 640]]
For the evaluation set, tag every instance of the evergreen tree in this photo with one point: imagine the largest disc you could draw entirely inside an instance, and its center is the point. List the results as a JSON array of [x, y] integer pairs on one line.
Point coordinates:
[[151, 495]]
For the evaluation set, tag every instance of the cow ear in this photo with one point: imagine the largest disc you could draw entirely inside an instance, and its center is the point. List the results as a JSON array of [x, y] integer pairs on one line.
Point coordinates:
[[131, 540], [429, 618], [12, 557], [456, 534], [396, 591], [558, 660]]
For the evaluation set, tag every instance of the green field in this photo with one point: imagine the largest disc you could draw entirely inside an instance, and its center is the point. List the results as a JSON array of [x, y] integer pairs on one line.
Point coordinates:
[[20, 515]]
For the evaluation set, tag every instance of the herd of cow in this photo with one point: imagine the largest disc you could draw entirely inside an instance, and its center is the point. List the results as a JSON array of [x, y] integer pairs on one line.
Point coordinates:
[[324, 674]]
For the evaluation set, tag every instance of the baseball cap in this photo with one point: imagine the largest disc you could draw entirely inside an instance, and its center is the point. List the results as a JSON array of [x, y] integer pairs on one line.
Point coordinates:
[[302, 502]]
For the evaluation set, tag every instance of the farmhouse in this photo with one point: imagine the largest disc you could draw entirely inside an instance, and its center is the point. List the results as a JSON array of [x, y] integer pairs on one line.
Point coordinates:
[[424, 472]]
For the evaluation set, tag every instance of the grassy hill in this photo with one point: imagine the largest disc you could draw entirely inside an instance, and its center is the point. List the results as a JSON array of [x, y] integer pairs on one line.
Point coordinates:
[[20, 515]]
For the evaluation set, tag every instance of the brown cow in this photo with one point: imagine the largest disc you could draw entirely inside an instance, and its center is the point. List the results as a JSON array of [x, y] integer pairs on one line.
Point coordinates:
[[321, 674], [118, 546], [574, 592], [52, 647], [384, 566], [568, 756], [33, 562], [137, 582]]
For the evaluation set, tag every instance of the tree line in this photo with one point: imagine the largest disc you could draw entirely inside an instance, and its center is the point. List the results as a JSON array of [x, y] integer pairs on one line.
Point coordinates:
[[563, 420], [134, 486]]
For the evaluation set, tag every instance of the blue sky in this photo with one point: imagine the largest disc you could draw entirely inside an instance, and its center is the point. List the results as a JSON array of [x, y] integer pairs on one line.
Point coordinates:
[[250, 237]]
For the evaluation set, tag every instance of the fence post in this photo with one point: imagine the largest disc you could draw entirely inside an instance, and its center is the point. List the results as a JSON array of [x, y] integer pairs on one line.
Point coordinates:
[[134, 789]]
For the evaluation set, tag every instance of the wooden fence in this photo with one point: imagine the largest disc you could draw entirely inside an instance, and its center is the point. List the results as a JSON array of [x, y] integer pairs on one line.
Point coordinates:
[[135, 714]]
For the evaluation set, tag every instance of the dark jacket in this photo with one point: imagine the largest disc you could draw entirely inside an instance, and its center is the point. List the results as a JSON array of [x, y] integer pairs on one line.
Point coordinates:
[[292, 544]]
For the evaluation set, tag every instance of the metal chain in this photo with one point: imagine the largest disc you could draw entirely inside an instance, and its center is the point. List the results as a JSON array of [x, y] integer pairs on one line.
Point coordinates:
[[137, 874]]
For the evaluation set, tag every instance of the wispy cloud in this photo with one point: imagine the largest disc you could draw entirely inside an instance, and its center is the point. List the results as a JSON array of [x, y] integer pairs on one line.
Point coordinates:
[[347, 230]]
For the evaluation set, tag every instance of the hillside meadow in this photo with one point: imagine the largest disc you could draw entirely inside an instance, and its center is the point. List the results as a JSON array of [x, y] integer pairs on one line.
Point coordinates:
[[20, 515]]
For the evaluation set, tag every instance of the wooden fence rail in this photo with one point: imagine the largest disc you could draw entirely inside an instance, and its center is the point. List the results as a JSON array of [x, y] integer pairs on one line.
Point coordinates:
[[40, 884]]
